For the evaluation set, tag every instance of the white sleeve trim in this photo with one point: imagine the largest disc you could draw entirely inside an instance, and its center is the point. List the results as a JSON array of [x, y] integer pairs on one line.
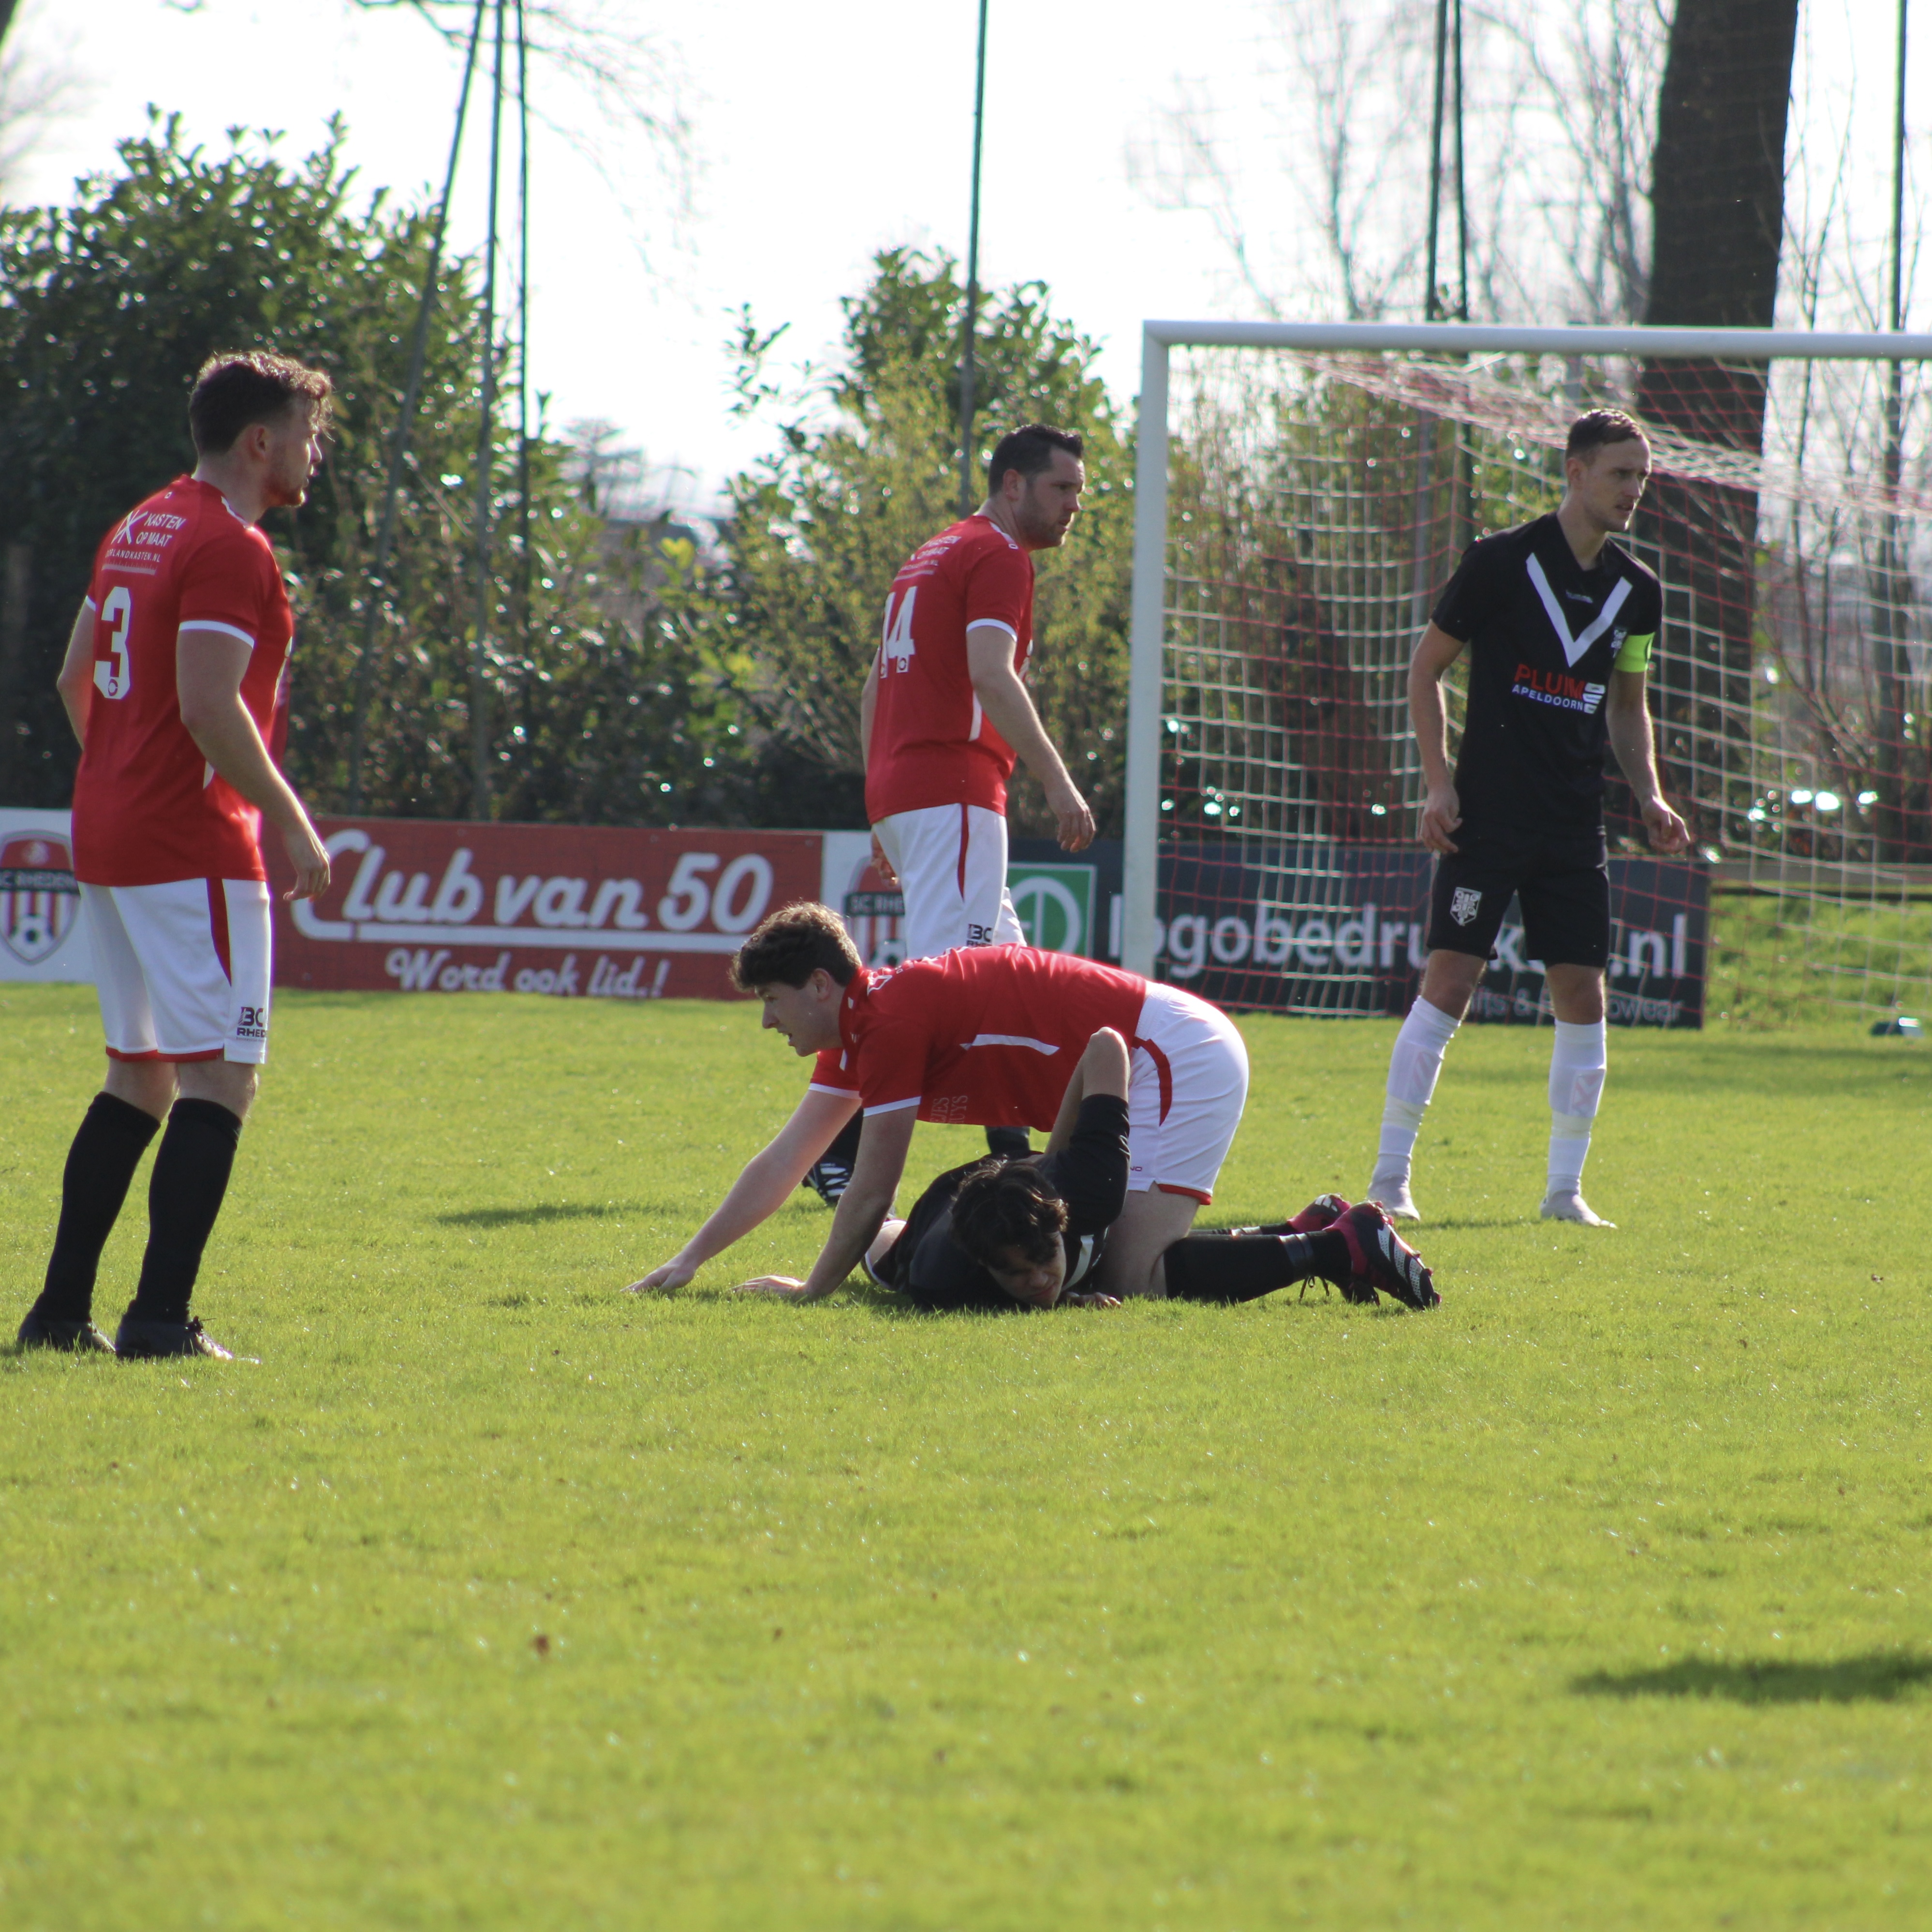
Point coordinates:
[[88, 604], [992, 624], [844, 1093], [894, 1106], [209, 624]]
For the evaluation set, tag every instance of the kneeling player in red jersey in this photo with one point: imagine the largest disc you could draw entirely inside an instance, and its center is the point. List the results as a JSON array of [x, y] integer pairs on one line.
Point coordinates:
[[982, 1036]]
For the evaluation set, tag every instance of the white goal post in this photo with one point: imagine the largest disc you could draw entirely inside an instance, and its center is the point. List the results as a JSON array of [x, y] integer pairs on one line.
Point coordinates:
[[1448, 351]]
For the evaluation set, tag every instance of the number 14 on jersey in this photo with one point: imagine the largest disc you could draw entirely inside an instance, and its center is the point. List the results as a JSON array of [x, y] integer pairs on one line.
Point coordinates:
[[898, 650]]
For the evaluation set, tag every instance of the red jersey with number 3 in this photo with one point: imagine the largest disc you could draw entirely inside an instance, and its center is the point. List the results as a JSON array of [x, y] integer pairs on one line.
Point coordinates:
[[931, 744], [147, 807], [986, 1037]]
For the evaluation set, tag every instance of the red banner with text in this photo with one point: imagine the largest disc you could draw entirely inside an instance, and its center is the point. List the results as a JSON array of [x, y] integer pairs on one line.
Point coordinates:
[[607, 912]]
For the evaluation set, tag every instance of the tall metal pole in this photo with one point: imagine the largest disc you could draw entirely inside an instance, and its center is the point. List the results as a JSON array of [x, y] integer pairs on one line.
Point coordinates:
[[1893, 840], [1432, 303], [479, 694], [968, 467], [385, 535], [523, 322], [1462, 200]]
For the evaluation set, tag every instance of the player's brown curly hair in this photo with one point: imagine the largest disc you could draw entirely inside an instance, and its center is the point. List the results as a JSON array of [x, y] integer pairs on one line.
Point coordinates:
[[793, 943], [239, 388], [1002, 1205]]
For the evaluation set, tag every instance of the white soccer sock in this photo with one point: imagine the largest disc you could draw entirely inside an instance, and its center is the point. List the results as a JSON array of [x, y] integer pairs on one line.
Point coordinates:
[[1413, 1066], [1578, 1060]]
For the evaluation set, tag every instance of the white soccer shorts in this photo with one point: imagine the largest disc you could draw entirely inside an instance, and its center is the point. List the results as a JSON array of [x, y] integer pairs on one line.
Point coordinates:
[[951, 863], [182, 969], [1187, 1082]]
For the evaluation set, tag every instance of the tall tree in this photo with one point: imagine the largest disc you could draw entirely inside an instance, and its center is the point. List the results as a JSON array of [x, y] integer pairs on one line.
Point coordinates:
[[1717, 225], [603, 706]]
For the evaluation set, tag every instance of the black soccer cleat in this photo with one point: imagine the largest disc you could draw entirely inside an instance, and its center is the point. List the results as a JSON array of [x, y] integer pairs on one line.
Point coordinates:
[[73, 1338], [146, 1341], [1379, 1259], [829, 1179]]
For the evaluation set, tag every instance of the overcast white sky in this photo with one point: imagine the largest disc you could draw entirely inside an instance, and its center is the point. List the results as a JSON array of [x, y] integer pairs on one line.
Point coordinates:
[[823, 133]]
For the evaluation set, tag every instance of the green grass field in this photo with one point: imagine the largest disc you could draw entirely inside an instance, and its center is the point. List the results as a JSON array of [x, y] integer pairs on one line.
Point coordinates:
[[492, 1597]]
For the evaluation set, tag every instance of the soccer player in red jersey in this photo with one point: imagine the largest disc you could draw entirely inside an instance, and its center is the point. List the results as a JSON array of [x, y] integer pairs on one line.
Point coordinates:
[[945, 712], [987, 1036], [175, 673]]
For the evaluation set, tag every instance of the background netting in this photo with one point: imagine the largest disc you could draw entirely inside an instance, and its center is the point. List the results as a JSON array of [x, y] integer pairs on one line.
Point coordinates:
[[1317, 506]]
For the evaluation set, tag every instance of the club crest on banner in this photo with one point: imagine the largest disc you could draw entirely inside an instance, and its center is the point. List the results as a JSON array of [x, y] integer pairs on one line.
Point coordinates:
[[39, 900], [1463, 904]]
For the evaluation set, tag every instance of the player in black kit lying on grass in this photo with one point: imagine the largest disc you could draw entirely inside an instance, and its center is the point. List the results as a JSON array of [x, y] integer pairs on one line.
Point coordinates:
[[1031, 1230]]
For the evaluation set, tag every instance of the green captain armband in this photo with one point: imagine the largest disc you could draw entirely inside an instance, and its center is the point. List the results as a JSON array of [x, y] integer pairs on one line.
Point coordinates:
[[1635, 655]]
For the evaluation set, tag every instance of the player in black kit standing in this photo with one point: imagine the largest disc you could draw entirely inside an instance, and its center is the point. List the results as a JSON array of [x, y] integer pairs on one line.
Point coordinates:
[[1559, 623]]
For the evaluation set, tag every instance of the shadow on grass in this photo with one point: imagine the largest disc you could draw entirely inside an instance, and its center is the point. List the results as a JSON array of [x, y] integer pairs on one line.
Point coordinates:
[[1879, 1677], [539, 1212]]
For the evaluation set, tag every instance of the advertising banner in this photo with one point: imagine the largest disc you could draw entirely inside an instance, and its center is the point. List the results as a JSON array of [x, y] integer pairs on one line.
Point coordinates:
[[616, 912], [1343, 929], [599, 912]]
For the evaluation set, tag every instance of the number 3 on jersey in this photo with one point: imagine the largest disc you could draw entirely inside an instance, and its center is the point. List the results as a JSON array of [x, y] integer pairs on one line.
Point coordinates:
[[898, 645], [114, 674]]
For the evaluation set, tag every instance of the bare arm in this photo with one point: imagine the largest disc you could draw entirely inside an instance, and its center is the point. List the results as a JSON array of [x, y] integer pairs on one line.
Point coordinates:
[[1428, 717], [862, 1208], [1631, 739], [868, 705], [765, 1186], [209, 665], [989, 661], [75, 681], [1102, 1069]]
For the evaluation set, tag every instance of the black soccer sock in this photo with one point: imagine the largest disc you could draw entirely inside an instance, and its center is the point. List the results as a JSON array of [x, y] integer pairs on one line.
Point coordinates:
[[1009, 1143], [100, 1165], [1245, 1264], [844, 1148], [185, 1194]]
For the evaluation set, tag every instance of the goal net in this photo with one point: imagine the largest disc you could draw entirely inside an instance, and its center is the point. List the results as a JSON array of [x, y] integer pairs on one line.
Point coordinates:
[[1310, 498]]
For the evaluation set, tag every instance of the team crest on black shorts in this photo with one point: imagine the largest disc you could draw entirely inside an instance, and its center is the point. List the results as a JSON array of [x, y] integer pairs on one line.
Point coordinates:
[[1464, 904]]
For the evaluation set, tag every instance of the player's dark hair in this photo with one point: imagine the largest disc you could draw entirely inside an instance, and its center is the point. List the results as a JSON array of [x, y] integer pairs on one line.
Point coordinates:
[[1591, 431], [791, 944], [1030, 449], [234, 391], [1002, 1205]]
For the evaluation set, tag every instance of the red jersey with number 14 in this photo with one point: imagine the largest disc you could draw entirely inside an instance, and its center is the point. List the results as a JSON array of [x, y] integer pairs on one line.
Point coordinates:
[[931, 744], [986, 1037], [147, 807]]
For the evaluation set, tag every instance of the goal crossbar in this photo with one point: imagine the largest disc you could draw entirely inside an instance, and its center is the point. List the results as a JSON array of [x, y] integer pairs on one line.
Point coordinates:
[[1148, 636]]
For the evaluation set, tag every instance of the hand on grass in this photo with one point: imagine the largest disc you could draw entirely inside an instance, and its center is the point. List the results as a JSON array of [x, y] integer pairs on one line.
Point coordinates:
[[780, 1287], [1081, 1298], [662, 1280]]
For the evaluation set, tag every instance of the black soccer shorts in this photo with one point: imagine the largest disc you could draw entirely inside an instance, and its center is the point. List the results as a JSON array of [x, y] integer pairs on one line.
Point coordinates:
[[1563, 882]]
